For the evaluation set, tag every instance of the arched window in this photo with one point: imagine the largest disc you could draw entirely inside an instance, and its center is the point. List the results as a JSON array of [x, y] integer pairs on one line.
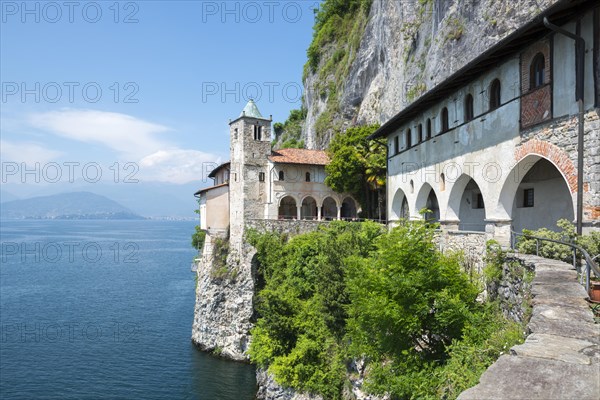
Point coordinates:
[[420, 132], [428, 128], [444, 117], [537, 71], [469, 108], [308, 177], [281, 176], [408, 139], [495, 99]]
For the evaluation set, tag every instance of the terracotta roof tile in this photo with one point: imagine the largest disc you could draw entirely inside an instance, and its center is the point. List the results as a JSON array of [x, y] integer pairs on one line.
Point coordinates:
[[299, 156]]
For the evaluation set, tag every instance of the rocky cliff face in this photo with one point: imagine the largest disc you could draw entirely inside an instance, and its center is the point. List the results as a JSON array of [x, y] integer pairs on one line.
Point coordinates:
[[224, 300], [409, 46]]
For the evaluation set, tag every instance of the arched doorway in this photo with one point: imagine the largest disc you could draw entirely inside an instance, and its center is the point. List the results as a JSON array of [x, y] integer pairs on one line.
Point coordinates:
[[433, 206], [329, 210], [287, 208], [472, 209], [400, 208], [309, 208], [541, 198], [466, 205], [426, 198], [348, 208]]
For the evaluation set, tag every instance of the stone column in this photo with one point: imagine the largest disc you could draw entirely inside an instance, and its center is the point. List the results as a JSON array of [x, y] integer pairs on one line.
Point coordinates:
[[298, 212], [499, 230], [319, 213], [339, 213]]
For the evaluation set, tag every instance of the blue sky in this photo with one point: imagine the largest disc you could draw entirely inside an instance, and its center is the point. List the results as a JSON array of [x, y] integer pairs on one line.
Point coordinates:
[[152, 83]]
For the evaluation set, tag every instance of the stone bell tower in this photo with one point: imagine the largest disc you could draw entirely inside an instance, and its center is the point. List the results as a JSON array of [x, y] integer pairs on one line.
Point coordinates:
[[250, 147]]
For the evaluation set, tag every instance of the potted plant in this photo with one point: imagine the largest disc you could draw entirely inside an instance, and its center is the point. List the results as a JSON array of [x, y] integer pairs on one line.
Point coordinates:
[[595, 289]]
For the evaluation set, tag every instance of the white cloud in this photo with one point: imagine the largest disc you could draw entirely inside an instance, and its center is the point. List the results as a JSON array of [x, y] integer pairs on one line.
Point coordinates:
[[26, 152], [131, 137], [177, 165]]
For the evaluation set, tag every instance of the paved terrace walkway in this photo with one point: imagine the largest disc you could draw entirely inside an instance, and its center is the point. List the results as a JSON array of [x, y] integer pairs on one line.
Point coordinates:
[[560, 359]]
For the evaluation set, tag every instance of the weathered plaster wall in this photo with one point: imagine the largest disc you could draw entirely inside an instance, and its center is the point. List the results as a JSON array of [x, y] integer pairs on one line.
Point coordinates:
[[217, 201]]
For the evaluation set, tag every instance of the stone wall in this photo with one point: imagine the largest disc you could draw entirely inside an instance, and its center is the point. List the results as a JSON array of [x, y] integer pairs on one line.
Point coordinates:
[[471, 244], [513, 289], [290, 227]]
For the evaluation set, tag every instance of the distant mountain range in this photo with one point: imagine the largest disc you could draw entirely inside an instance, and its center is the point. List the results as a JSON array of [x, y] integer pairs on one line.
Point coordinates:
[[149, 199], [75, 205]]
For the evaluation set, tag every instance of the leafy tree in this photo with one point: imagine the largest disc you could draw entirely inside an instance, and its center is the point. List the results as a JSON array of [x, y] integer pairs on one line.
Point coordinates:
[[418, 299], [358, 167], [300, 332]]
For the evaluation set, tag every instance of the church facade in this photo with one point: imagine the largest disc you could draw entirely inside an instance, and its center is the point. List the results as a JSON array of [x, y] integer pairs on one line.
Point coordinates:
[[261, 183]]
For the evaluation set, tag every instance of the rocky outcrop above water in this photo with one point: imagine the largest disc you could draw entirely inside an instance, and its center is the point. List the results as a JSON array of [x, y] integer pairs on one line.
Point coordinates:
[[224, 300]]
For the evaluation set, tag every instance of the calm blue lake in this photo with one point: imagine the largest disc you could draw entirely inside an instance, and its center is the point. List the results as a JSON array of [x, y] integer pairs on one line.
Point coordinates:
[[103, 309]]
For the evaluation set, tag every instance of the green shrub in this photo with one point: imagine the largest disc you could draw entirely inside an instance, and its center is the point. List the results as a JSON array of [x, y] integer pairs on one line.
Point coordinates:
[[590, 242], [198, 238], [494, 259]]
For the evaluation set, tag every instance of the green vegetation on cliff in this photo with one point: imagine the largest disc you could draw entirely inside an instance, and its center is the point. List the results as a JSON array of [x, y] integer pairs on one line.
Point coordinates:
[[352, 291], [198, 238], [338, 30], [289, 134]]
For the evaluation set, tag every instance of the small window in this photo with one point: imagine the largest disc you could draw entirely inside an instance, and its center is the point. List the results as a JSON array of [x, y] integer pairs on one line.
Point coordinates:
[[444, 116], [261, 176], [469, 108], [428, 128], [495, 99], [537, 71], [408, 139], [442, 182], [528, 197], [396, 145], [308, 177], [281, 176], [257, 132], [420, 132], [235, 133], [478, 203]]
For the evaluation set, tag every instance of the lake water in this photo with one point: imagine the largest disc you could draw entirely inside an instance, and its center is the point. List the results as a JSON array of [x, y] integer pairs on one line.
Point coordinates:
[[104, 309]]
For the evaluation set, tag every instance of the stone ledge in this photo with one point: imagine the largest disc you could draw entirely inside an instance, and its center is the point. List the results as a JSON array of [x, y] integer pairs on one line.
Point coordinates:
[[561, 358], [527, 378]]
